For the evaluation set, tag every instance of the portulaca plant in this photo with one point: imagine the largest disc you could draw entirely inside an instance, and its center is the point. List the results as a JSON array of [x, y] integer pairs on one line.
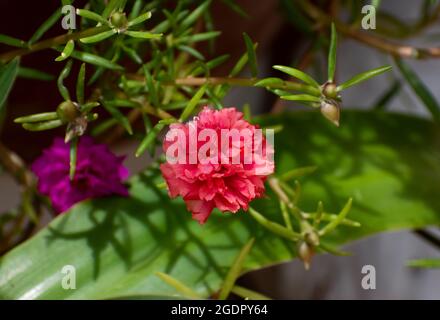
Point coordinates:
[[224, 191]]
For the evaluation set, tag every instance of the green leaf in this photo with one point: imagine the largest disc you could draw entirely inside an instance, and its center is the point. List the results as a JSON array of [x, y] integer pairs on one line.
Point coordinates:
[[92, 16], [298, 173], [298, 74], [179, 286], [96, 60], [29, 73], [236, 8], [363, 77], [235, 270], [80, 84], [424, 263], [73, 156], [143, 34], [251, 54], [14, 42], [63, 75], [67, 51], [248, 294], [332, 54], [8, 73], [149, 139], [132, 54], [341, 216], [41, 126], [45, 116], [139, 19], [98, 37], [240, 63], [301, 97], [420, 89], [388, 163], [119, 117], [191, 51], [193, 103], [199, 37], [193, 16], [154, 98], [46, 26], [269, 82]]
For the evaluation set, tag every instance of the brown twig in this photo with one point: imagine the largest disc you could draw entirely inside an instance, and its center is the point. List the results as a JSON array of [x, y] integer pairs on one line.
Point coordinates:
[[395, 49]]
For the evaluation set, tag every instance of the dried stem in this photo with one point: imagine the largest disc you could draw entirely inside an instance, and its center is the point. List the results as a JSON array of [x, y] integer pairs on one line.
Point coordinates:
[[49, 43], [395, 49]]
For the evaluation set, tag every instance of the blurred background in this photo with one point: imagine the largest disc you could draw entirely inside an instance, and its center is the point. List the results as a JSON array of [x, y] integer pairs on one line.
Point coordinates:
[[280, 42]]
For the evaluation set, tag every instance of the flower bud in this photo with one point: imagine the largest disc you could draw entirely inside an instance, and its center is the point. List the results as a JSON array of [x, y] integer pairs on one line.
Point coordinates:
[[119, 20], [312, 238], [330, 109], [67, 111], [305, 253], [329, 90]]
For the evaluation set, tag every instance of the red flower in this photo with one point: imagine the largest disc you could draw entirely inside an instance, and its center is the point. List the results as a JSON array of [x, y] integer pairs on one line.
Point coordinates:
[[211, 171]]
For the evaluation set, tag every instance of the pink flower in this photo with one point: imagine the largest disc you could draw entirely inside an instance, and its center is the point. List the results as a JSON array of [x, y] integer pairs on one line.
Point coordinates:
[[98, 173], [204, 177]]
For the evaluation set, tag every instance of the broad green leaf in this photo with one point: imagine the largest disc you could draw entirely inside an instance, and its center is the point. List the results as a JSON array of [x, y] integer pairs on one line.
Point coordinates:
[[251, 54], [363, 77], [298, 74], [420, 89], [332, 54], [388, 163], [8, 73]]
